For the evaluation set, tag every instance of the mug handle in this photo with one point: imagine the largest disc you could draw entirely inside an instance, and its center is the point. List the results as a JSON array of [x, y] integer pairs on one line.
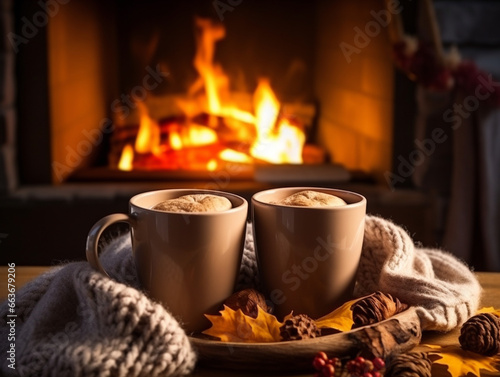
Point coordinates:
[[95, 232]]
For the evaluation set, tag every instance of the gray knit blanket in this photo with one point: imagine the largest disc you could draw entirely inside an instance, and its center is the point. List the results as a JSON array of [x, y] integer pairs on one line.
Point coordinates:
[[73, 321]]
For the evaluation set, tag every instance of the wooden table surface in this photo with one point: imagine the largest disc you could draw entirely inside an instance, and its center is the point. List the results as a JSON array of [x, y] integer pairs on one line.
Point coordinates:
[[490, 282]]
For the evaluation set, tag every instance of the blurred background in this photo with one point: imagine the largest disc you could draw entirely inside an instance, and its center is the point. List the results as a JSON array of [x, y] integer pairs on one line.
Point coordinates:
[[395, 100]]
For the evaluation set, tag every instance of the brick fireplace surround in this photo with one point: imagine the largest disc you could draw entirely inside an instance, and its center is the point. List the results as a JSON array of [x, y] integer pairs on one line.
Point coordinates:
[[43, 221]]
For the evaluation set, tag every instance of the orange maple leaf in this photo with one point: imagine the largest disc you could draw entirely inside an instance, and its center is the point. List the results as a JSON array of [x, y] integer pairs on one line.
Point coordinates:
[[235, 326], [460, 362], [340, 319]]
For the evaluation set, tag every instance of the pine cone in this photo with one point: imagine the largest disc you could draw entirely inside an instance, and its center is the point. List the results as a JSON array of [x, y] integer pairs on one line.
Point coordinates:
[[248, 300], [481, 334], [412, 364], [299, 327], [375, 308]]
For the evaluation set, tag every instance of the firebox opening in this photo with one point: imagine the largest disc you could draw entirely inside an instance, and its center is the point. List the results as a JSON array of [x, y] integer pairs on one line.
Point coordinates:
[[179, 85]]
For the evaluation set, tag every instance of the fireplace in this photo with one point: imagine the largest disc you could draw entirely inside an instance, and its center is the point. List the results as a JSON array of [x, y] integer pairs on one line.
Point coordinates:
[[108, 64], [93, 78]]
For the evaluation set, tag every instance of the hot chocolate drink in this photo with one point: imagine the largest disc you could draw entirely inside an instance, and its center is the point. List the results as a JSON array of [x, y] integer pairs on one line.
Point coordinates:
[[195, 203], [309, 198]]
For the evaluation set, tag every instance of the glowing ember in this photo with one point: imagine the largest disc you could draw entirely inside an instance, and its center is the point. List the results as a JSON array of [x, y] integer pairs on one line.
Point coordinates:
[[198, 135], [235, 156], [206, 140], [212, 165]]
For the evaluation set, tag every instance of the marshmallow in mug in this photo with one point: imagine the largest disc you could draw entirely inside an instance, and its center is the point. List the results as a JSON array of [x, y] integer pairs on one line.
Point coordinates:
[[195, 203], [309, 198]]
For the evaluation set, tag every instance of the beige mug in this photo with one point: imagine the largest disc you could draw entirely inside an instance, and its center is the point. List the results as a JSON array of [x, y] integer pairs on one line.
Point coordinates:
[[307, 256], [187, 261]]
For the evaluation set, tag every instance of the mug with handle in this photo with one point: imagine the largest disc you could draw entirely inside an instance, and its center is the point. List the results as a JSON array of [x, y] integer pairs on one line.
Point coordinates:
[[187, 261]]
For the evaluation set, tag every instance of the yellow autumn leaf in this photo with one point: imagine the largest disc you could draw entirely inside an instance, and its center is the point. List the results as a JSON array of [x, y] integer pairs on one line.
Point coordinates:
[[235, 326], [340, 319], [459, 362], [486, 309], [489, 309]]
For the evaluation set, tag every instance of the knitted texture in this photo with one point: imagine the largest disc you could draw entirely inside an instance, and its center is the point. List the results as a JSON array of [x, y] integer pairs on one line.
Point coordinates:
[[249, 273], [444, 290], [73, 321]]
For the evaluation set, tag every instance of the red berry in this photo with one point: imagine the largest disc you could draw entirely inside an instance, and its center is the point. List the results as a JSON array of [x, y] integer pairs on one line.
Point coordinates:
[[328, 370], [376, 374], [378, 363], [318, 363], [367, 374], [360, 360], [322, 355], [351, 366]]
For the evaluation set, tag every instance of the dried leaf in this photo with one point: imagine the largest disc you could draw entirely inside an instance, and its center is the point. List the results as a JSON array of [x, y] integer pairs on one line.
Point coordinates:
[[489, 309], [459, 362], [235, 326], [340, 319]]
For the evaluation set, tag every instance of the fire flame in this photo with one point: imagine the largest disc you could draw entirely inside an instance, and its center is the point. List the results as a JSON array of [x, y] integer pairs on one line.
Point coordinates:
[[127, 158], [208, 34], [266, 110], [148, 137], [175, 141], [276, 140], [278, 144]]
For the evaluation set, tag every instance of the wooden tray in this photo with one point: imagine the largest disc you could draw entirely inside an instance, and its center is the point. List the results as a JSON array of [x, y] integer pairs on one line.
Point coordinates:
[[397, 334]]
